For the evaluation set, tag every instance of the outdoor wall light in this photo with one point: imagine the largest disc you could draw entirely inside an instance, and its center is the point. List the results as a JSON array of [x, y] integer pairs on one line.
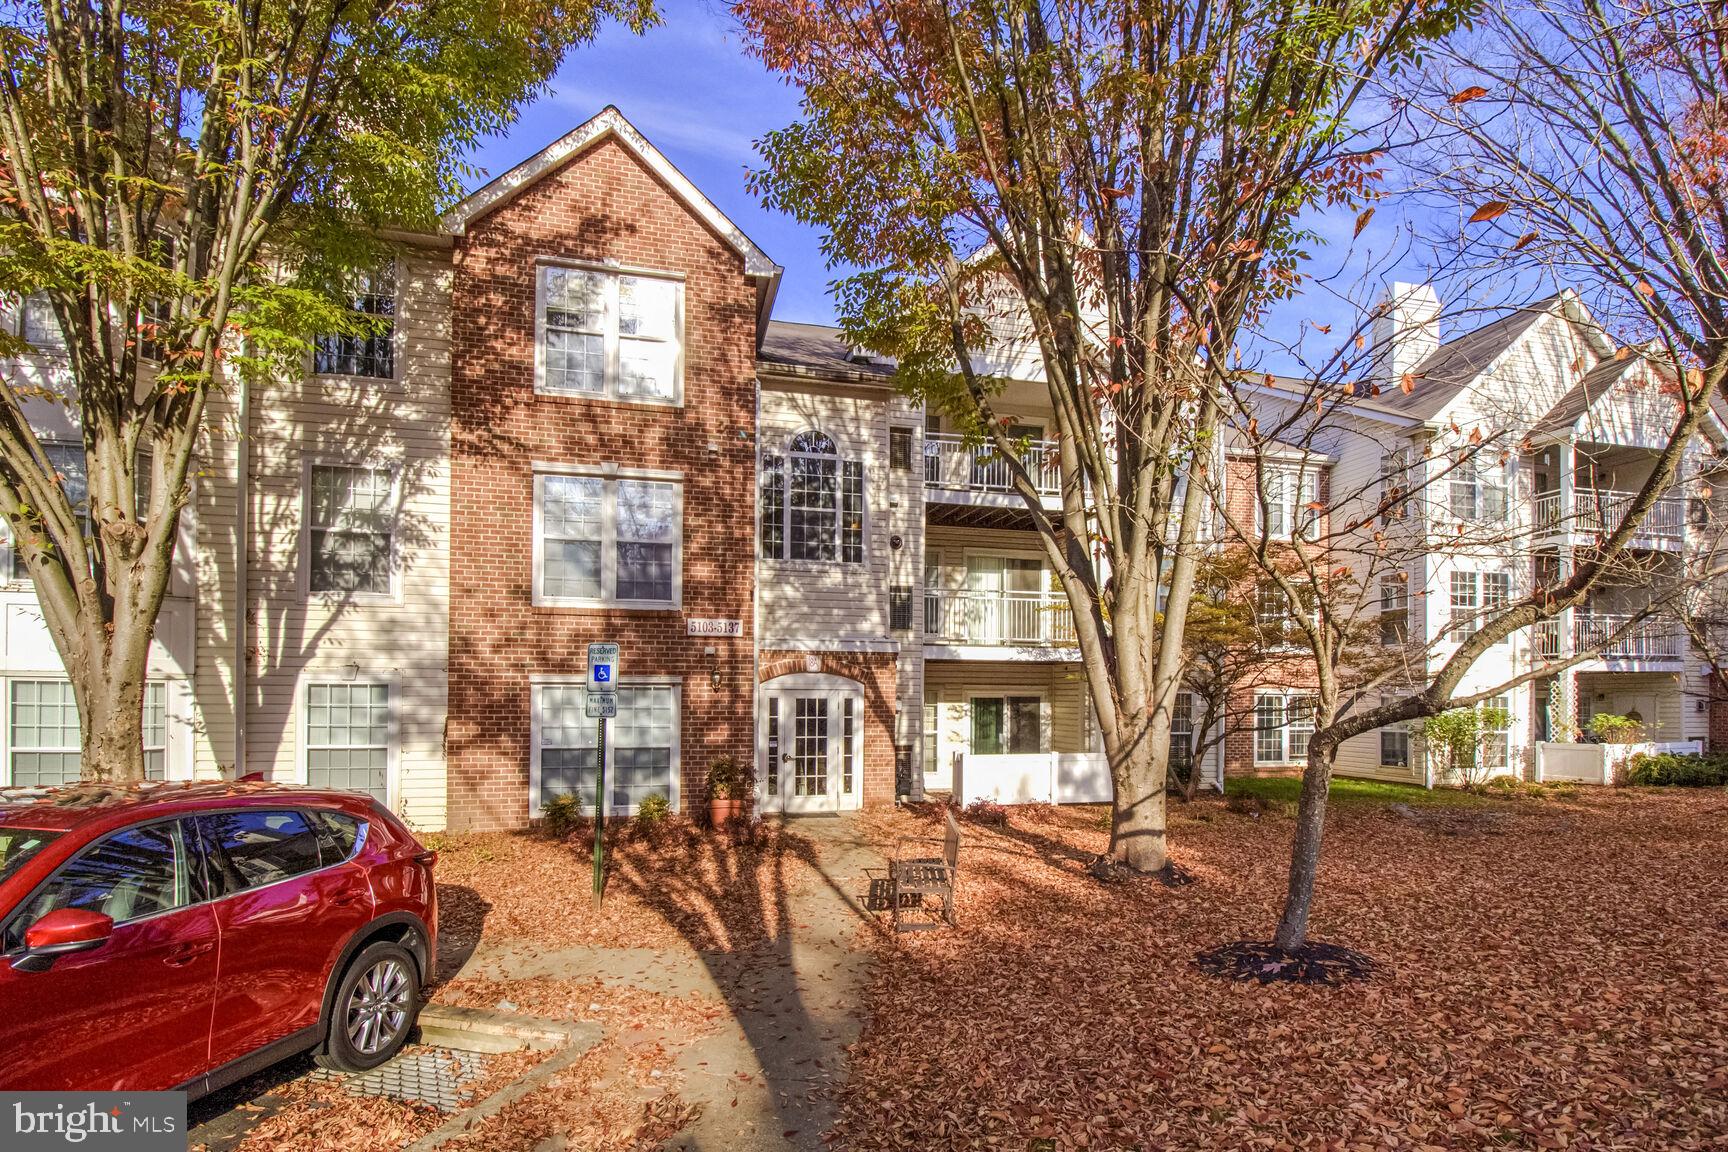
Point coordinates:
[[714, 679], [351, 671]]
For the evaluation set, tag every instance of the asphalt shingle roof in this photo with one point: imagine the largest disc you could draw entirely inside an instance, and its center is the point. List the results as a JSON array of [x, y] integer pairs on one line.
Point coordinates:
[[1460, 360], [817, 347]]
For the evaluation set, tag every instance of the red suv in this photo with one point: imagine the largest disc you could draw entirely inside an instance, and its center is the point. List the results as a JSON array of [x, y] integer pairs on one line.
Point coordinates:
[[187, 935]]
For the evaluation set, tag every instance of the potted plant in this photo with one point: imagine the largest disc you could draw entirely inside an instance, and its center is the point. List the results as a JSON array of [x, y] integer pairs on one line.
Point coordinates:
[[726, 792]]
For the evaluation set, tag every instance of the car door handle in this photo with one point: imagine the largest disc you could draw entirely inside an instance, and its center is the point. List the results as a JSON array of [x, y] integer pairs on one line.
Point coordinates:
[[183, 954], [343, 899]]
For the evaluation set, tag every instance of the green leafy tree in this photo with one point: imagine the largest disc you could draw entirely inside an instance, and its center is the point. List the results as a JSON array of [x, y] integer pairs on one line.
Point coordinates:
[[1453, 741], [1116, 189], [183, 185]]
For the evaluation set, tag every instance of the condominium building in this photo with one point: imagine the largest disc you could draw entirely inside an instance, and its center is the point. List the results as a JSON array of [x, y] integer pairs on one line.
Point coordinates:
[[584, 424]]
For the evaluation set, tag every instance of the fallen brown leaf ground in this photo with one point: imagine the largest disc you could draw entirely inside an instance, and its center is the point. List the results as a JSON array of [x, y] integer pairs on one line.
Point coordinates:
[[1551, 975]]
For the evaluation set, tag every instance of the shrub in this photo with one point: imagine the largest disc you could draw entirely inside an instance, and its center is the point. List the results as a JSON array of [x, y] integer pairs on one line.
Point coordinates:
[[653, 809], [561, 816], [1676, 770], [725, 781], [1612, 729], [986, 812]]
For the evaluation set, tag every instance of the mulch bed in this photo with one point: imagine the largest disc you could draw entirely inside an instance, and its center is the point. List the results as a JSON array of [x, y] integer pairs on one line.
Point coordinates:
[[1559, 982], [1264, 962]]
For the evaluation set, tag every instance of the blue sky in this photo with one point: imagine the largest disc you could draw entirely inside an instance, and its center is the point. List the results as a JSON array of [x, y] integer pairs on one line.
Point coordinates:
[[690, 87], [691, 90]]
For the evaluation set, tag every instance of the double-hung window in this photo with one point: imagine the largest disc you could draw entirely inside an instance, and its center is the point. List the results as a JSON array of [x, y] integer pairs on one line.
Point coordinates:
[[1477, 490], [1395, 746], [156, 731], [67, 460], [1496, 593], [1182, 734], [642, 746], [1394, 610], [606, 539], [609, 334], [1283, 725], [811, 502], [370, 348], [1269, 728], [32, 318], [1272, 612], [1291, 496], [1465, 605], [348, 737], [1395, 494], [351, 524], [1496, 736], [45, 748]]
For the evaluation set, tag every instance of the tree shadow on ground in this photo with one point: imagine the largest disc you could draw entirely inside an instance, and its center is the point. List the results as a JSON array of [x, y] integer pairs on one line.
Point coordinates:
[[734, 897]]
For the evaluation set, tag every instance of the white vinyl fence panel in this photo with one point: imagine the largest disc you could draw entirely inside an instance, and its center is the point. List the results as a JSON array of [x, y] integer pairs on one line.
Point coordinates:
[[1597, 763], [1033, 778]]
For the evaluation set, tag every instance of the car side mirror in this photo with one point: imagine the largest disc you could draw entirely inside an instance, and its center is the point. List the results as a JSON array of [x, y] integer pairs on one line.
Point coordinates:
[[61, 932]]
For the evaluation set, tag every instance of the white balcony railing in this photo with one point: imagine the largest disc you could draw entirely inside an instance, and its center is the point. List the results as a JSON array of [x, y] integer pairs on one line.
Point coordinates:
[[951, 463], [1649, 640], [1009, 619], [1600, 510]]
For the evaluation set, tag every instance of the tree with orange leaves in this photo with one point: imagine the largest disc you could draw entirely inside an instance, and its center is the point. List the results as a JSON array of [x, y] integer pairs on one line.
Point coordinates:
[[1103, 197]]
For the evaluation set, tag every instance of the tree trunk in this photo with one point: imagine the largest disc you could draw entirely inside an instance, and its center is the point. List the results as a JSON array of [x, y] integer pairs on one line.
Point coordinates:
[[111, 703], [1137, 817], [1305, 850]]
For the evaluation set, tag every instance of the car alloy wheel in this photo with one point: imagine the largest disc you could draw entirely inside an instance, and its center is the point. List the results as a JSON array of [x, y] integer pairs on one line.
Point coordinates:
[[378, 1006]]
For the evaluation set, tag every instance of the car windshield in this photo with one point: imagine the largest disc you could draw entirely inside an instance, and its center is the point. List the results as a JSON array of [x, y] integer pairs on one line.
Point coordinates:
[[18, 845]]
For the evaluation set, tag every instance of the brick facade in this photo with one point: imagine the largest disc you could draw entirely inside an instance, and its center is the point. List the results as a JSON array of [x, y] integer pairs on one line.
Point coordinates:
[[603, 205], [877, 673], [1294, 672]]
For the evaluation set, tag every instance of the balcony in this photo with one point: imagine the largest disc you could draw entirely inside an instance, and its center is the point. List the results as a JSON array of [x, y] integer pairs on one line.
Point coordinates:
[[1040, 623], [960, 473], [1650, 642], [1598, 511]]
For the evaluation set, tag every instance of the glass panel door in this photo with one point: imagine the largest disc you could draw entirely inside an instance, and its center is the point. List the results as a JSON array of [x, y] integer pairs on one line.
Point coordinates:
[[1025, 724], [809, 746], [986, 725]]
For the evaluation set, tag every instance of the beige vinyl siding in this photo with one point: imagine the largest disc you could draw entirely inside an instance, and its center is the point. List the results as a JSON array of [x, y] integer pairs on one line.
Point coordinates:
[[951, 685], [806, 600], [299, 638]]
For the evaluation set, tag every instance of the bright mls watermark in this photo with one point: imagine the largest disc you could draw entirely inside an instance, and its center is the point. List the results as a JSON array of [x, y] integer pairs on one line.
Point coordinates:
[[98, 1121]]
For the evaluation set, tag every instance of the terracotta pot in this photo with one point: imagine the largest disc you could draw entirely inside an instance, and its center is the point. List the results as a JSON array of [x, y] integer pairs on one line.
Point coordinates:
[[723, 812]]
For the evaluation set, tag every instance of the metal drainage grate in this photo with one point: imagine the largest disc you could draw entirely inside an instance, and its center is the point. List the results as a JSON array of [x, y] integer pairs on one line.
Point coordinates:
[[434, 1078]]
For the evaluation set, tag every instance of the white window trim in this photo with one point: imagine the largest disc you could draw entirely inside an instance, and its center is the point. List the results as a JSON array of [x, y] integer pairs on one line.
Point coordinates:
[[609, 393], [866, 459], [535, 683], [1283, 729], [1302, 520], [610, 474], [304, 576], [1046, 732], [398, 346], [831, 688], [392, 708], [1462, 626]]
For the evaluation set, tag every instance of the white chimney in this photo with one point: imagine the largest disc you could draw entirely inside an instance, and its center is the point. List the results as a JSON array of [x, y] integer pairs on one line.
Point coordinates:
[[1406, 329]]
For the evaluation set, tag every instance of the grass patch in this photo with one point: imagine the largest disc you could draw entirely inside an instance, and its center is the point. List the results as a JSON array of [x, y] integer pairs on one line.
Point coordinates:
[[1346, 793]]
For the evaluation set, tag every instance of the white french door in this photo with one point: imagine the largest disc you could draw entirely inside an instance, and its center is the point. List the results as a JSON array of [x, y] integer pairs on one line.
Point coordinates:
[[811, 748]]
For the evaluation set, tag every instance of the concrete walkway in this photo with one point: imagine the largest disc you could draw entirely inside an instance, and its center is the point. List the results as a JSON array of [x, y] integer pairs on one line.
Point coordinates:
[[765, 1081]]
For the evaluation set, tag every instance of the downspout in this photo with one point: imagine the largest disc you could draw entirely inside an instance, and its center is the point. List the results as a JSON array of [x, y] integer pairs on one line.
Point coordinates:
[[756, 609], [242, 580]]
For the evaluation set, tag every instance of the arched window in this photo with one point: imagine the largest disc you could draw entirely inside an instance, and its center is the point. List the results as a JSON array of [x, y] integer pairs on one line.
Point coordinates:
[[812, 502]]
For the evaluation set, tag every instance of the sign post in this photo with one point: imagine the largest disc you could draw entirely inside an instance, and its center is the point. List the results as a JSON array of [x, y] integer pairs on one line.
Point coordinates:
[[602, 704]]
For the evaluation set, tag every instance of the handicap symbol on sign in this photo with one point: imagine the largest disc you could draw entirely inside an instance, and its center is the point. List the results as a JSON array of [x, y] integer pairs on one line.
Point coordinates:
[[602, 674]]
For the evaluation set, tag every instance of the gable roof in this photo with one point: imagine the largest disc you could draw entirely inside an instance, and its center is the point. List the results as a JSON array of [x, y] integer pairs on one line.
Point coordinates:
[[1583, 394], [1460, 360], [609, 124]]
